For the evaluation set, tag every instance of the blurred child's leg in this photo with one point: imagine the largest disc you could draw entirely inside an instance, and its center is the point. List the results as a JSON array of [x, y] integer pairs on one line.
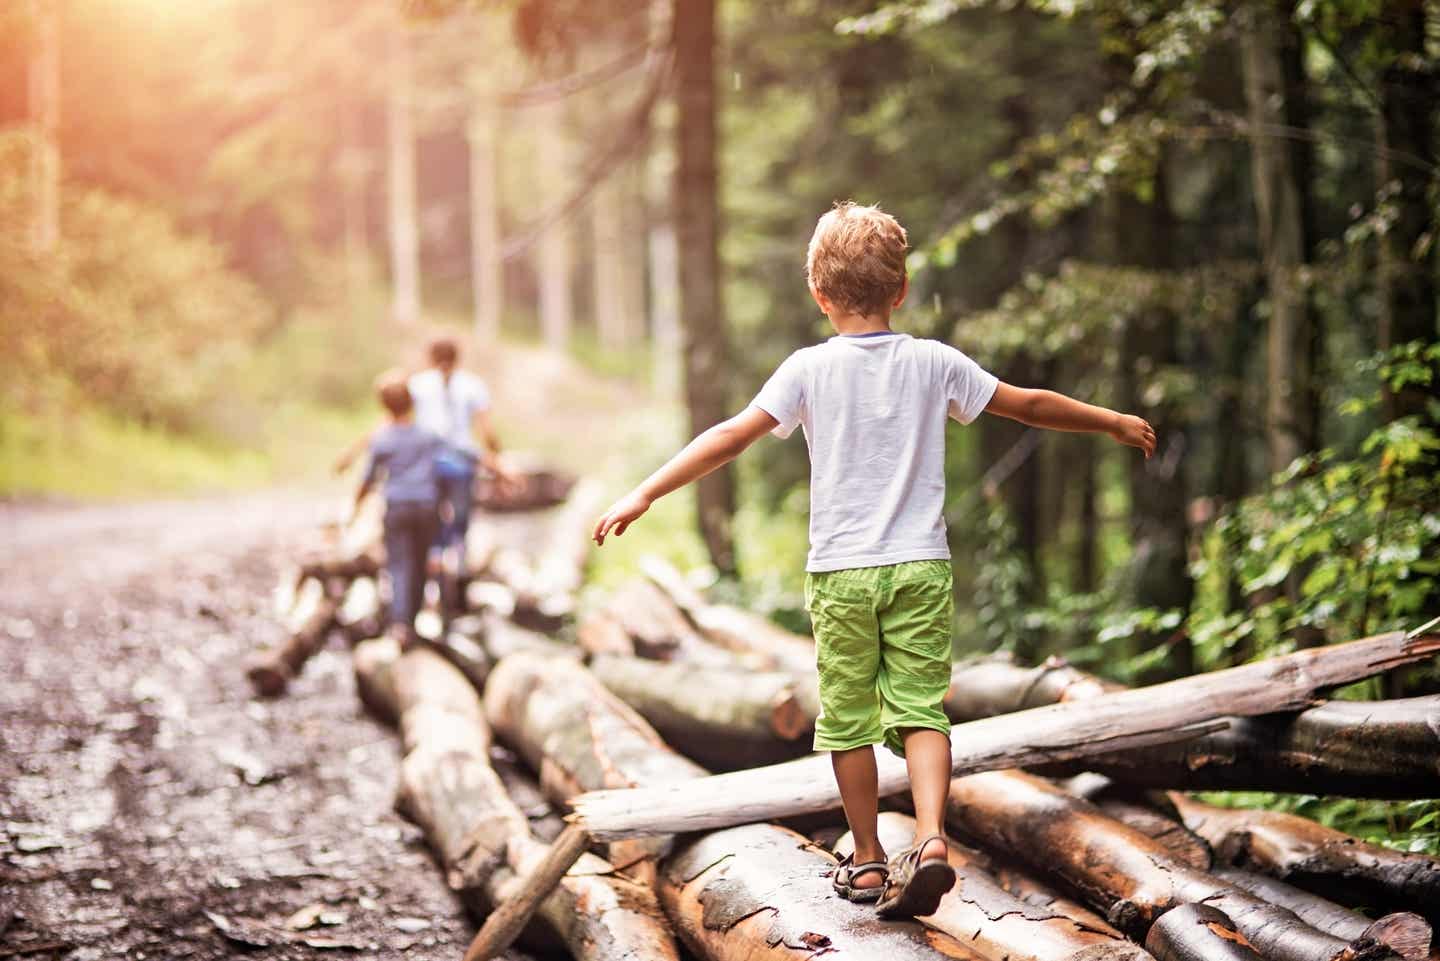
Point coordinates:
[[398, 564]]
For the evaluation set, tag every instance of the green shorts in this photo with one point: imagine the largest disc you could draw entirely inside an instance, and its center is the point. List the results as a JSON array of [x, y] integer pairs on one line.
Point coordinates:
[[882, 648]]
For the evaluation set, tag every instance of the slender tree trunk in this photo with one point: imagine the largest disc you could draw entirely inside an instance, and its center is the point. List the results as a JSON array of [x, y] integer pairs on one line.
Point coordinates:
[[697, 224], [353, 171], [1275, 95], [486, 276], [664, 259], [619, 272], [554, 254], [1087, 544], [45, 114], [404, 215]]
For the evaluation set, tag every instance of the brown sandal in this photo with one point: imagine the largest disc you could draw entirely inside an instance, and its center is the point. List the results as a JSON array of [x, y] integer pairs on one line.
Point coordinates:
[[847, 871], [914, 887]]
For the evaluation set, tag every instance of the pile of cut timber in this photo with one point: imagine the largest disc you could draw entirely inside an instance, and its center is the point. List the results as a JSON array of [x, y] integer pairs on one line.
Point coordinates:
[[503, 728]]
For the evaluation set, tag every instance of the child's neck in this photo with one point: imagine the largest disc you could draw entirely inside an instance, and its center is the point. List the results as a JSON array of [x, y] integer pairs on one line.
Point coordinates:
[[848, 325]]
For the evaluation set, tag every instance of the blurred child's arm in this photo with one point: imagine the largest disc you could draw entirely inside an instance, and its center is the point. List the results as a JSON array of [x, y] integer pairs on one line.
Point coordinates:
[[349, 455], [1046, 408], [715, 447], [483, 427]]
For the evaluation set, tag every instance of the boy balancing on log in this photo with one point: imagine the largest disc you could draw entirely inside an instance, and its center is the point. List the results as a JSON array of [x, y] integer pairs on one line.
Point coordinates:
[[873, 404], [407, 456]]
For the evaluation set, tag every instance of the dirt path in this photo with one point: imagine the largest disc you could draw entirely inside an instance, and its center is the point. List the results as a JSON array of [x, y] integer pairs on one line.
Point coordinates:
[[146, 801]]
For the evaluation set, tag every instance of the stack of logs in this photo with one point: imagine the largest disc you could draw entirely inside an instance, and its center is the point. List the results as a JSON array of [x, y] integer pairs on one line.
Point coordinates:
[[1083, 857]]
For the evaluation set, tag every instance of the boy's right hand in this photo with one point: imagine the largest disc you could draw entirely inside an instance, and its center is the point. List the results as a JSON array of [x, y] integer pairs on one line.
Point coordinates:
[[620, 514], [1134, 431]]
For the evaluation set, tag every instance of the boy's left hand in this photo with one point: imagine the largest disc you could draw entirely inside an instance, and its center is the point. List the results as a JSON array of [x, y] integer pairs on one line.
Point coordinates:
[[620, 514], [1135, 431]]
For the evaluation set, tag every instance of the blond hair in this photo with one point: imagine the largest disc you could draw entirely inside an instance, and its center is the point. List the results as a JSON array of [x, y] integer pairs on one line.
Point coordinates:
[[856, 258]]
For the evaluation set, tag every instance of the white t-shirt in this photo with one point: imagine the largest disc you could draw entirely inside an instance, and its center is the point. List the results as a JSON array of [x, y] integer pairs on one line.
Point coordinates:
[[874, 407], [446, 408]]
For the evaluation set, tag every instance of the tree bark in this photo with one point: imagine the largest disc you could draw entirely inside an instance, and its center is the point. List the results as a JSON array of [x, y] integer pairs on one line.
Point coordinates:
[[1317, 858], [404, 215], [760, 893], [554, 257], [45, 115], [580, 737], [696, 216], [487, 279], [1377, 749], [1120, 721], [1198, 932], [1405, 170], [1282, 200], [994, 923], [733, 628], [308, 627], [481, 838], [1408, 935], [997, 685], [725, 719], [1121, 868]]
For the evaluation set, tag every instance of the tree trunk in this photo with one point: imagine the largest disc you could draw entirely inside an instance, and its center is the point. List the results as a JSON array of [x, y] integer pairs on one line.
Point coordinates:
[[404, 215], [554, 257], [639, 619], [1317, 858], [308, 627], [725, 719], [696, 208], [1198, 932], [1282, 200], [1115, 722], [760, 893], [566, 725], [993, 922], [1087, 545], [1120, 867], [45, 116], [1406, 166], [481, 838], [997, 685], [1408, 935], [612, 221], [1380, 749], [487, 279], [734, 628], [1387, 749]]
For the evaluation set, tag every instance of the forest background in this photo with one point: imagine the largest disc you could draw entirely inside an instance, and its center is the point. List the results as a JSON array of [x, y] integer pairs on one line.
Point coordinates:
[[219, 220]]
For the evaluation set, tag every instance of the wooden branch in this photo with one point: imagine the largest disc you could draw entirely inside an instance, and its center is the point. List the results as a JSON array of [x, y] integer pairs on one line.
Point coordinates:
[[995, 684], [1315, 857], [1198, 932], [309, 626], [760, 893], [996, 924], [1118, 721], [1115, 866], [503, 926], [723, 718]]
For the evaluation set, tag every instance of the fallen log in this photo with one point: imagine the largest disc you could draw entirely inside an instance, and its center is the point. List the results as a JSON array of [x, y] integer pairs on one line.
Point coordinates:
[[360, 616], [1317, 858], [725, 718], [1113, 722], [1198, 932], [732, 628], [1179, 842], [995, 684], [640, 619], [1408, 935], [481, 838], [533, 490], [997, 925], [309, 624], [760, 893], [1121, 869], [561, 557], [579, 736]]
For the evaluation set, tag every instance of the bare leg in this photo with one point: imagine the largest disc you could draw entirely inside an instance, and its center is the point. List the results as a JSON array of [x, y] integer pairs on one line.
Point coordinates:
[[927, 758], [859, 793]]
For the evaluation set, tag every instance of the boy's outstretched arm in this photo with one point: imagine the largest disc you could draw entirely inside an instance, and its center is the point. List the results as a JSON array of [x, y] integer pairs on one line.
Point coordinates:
[[1046, 408], [715, 447]]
